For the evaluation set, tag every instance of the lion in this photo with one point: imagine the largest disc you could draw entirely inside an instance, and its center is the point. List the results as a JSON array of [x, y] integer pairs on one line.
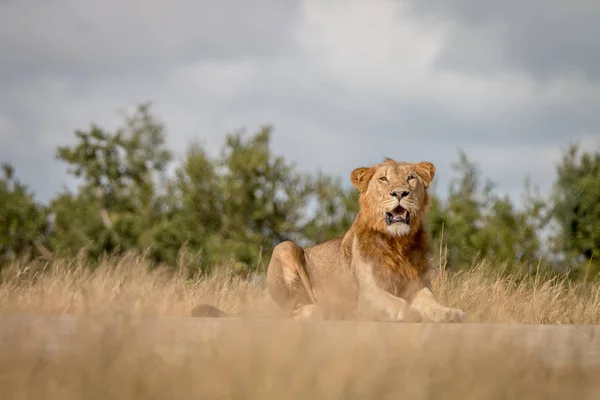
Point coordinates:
[[379, 270]]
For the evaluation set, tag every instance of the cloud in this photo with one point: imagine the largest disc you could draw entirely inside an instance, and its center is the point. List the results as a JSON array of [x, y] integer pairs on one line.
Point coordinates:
[[133, 36], [543, 38], [388, 57], [344, 83]]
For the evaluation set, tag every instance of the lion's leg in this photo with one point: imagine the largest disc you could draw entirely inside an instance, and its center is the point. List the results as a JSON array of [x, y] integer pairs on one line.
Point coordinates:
[[431, 310], [377, 303], [309, 311], [288, 283]]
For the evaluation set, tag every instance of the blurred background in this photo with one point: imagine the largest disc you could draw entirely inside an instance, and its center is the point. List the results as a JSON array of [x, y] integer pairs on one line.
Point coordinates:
[[226, 127]]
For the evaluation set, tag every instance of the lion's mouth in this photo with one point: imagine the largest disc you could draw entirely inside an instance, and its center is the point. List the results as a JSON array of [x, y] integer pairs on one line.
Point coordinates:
[[398, 214]]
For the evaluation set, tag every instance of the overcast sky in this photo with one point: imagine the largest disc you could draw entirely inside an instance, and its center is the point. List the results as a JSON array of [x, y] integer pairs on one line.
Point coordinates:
[[344, 83]]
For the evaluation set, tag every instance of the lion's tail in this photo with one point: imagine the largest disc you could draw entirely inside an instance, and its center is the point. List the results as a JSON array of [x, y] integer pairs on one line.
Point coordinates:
[[208, 311]]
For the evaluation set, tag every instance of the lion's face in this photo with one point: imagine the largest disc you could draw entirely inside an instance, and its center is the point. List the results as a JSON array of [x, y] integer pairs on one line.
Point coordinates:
[[394, 194]]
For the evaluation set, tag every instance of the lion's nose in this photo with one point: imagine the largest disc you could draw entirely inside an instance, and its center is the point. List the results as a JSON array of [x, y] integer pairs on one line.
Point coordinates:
[[400, 193]]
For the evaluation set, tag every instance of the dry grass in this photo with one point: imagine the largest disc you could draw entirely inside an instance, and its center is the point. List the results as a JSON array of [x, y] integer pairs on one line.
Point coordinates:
[[115, 354], [127, 286]]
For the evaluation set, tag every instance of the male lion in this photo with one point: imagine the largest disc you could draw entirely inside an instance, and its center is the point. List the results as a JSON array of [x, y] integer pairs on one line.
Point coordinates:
[[379, 268]]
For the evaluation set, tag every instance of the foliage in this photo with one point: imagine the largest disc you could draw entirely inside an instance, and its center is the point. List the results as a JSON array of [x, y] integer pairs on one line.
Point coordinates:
[[335, 207], [236, 207], [478, 224], [232, 207], [576, 200], [117, 199], [23, 222]]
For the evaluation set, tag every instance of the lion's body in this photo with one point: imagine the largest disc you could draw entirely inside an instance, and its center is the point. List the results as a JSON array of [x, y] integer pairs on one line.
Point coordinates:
[[379, 268], [374, 271]]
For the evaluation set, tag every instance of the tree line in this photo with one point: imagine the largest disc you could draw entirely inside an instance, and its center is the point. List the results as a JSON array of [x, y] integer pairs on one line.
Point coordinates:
[[235, 207]]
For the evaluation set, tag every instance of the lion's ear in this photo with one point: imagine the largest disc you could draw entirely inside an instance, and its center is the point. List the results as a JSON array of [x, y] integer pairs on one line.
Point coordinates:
[[426, 171], [360, 177]]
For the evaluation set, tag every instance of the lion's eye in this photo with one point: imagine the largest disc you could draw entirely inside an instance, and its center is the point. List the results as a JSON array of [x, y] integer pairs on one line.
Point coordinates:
[[383, 179], [411, 177]]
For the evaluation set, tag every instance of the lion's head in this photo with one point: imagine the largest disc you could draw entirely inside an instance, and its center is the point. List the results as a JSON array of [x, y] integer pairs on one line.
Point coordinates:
[[393, 195]]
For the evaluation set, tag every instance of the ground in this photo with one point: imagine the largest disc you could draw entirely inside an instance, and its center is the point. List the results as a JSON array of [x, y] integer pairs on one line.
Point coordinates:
[[123, 332]]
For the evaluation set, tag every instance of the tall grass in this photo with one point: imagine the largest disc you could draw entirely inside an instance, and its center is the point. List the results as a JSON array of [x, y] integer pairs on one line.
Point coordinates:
[[128, 285], [112, 355], [125, 284]]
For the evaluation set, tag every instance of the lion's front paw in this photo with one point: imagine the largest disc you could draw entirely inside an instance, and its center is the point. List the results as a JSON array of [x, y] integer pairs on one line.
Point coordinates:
[[309, 311], [455, 315], [413, 315], [445, 314], [408, 314]]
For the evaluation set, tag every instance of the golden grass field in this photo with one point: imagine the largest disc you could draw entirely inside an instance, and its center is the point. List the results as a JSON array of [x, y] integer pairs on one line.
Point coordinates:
[[110, 356]]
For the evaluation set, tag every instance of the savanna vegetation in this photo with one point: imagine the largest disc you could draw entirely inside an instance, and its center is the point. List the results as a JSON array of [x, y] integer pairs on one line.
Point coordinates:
[[115, 331], [145, 236], [233, 208]]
